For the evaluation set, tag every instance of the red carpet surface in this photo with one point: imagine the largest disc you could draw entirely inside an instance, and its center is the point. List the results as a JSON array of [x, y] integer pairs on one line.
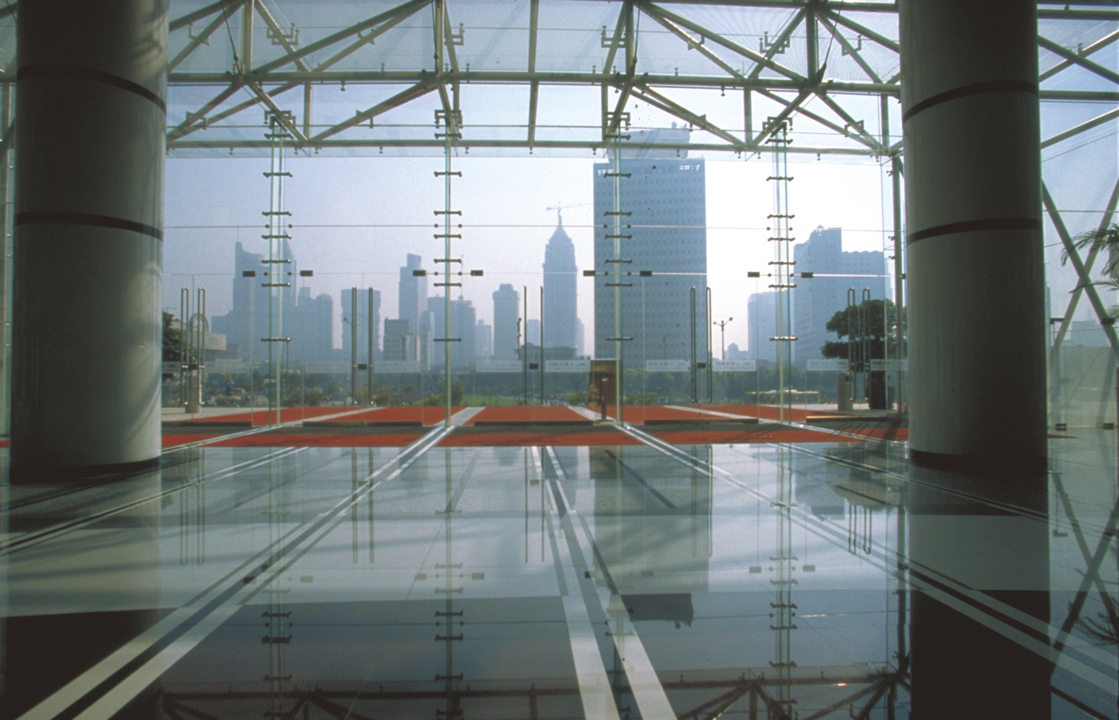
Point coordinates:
[[527, 415], [313, 439], [732, 437], [641, 414], [770, 412], [260, 416], [522, 439], [396, 416], [185, 438]]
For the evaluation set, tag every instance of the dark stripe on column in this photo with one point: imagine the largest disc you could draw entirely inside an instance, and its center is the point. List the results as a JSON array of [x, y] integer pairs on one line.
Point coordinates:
[[1005, 467], [48, 217], [975, 226], [976, 89], [85, 73]]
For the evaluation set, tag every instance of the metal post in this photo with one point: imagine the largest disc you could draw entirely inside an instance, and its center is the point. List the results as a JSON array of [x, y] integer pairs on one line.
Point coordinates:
[[353, 346], [541, 344], [370, 326], [524, 352], [899, 278], [184, 366], [692, 358], [710, 370], [200, 342]]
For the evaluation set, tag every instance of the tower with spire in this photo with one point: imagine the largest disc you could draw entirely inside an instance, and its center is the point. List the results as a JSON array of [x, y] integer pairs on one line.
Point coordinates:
[[560, 289]]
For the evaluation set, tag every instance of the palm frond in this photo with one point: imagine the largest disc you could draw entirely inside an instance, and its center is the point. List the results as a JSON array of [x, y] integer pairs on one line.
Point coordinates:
[[1099, 240]]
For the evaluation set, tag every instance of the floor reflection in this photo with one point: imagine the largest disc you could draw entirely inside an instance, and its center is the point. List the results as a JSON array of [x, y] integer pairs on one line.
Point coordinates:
[[760, 581]]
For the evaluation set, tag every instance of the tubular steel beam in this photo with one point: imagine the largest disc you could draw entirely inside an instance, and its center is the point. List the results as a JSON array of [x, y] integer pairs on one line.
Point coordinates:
[[200, 38], [762, 60], [849, 48], [282, 116], [660, 101], [614, 121], [861, 29], [851, 122], [694, 44], [407, 8], [1066, 320], [534, 91], [1080, 60], [591, 145], [1106, 321], [1091, 49], [178, 23], [278, 33], [405, 96], [779, 41], [482, 77]]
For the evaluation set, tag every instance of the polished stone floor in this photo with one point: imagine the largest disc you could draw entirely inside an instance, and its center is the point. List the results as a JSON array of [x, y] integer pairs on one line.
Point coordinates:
[[654, 581]]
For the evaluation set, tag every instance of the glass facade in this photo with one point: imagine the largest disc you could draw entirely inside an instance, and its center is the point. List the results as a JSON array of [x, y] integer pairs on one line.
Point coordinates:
[[387, 490]]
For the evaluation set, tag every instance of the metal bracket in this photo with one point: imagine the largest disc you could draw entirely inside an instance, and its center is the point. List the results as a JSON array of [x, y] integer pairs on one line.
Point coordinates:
[[765, 45], [278, 37]]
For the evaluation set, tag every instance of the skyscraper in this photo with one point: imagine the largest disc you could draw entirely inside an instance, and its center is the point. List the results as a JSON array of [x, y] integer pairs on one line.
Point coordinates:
[[816, 299], [483, 340], [663, 245], [412, 293], [560, 291], [248, 321], [463, 319], [506, 312], [412, 296], [310, 327], [761, 321]]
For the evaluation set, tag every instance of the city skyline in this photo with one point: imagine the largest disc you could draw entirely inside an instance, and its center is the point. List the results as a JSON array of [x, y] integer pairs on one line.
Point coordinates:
[[346, 227]]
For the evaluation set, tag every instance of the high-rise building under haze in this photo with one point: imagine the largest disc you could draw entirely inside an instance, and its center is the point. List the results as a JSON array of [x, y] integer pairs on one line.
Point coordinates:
[[663, 254], [817, 299], [506, 312], [560, 290]]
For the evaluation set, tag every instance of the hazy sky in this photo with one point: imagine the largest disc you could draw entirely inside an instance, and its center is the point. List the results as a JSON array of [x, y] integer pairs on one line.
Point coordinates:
[[355, 219]]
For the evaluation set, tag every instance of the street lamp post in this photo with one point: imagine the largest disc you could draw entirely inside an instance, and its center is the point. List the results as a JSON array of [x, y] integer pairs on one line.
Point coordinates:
[[722, 335]]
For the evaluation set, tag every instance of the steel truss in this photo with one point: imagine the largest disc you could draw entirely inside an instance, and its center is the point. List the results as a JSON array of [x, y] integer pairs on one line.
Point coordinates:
[[859, 695], [759, 75]]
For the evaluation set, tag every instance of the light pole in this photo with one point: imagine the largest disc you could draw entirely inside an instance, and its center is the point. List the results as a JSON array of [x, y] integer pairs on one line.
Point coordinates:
[[722, 336]]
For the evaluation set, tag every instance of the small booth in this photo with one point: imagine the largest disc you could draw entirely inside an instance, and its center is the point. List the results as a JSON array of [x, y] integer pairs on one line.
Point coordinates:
[[603, 383]]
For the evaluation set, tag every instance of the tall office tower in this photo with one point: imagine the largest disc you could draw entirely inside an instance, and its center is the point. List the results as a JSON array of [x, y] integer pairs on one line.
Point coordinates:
[[560, 292], [412, 293], [506, 312], [400, 343], [463, 319], [664, 246], [363, 324], [310, 327], [761, 321], [816, 299], [580, 339], [247, 322], [483, 340]]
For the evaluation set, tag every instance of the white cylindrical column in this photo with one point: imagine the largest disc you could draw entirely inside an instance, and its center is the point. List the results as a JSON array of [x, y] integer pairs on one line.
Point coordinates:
[[86, 346], [974, 234]]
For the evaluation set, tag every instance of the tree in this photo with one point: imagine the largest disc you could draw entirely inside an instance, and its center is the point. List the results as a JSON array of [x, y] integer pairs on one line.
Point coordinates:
[[1103, 240], [173, 340], [864, 326]]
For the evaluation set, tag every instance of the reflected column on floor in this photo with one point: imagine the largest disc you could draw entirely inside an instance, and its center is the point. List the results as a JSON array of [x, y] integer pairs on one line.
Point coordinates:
[[652, 527], [980, 584], [107, 589]]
